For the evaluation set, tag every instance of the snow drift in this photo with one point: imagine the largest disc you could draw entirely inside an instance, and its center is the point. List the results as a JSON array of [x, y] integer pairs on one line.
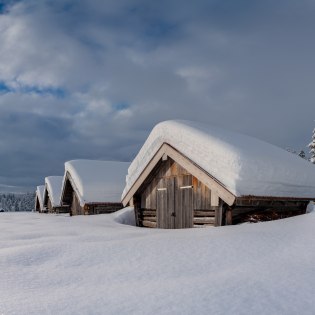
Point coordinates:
[[92, 265]]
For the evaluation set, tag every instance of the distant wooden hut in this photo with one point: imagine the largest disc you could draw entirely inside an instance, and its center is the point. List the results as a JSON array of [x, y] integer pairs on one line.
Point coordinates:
[[52, 193], [192, 175], [93, 187], [39, 198]]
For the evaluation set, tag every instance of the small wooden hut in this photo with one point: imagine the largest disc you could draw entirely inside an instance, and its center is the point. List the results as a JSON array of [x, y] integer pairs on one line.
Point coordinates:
[[93, 187], [52, 193], [189, 174], [39, 198]]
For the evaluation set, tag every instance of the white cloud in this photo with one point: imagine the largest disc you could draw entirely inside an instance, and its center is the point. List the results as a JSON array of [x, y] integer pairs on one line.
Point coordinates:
[[243, 66]]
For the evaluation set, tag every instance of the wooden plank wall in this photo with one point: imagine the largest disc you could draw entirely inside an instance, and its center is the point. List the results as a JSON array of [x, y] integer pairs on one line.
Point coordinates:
[[104, 208], [205, 206]]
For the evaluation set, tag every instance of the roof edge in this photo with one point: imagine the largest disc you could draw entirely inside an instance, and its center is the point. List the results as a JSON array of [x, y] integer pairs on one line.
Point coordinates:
[[189, 165]]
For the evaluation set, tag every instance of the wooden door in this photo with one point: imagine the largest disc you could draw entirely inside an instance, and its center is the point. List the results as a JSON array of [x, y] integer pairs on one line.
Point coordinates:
[[174, 198], [184, 202], [165, 203]]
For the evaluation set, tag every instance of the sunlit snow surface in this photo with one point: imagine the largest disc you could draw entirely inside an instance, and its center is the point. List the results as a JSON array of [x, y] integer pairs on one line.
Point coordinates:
[[54, 264]]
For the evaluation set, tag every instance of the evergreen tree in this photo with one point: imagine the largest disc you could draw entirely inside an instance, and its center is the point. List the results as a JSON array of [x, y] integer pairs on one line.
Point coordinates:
[[17, 202], [312, 147], [302, 154]]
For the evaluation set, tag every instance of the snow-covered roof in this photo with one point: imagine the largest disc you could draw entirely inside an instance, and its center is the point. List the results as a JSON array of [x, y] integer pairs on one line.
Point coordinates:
[[97, 181], [40, 195], [244, 165], [53, 185]]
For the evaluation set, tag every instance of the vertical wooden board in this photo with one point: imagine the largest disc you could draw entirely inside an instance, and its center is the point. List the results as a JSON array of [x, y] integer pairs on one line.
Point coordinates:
[[137, 205], [165, 203], [178, 202], [215, 203], [174, 169], [160, 203], [160, 208], [188, 203], [153, 194], [183, 171], [184, 204], [73, 205], [229, 216], [143, 198], [202, 196], [49, 206], [79, 209], [196, 193], [170, 211], [167, 169], [207, 197], [147, 199]]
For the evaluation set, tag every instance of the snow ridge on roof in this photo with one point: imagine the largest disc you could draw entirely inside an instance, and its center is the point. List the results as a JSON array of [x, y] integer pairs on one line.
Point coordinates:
[[244, 165], [53, 185], [97, 181], [40, 195]]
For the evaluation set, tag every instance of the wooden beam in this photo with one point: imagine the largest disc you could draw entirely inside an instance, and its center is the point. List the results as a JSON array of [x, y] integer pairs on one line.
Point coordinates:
[[145, 173], [196, 171], [217, 204]]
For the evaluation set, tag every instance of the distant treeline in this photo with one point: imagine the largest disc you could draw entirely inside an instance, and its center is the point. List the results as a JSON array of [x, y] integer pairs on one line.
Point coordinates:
[[17, 202]]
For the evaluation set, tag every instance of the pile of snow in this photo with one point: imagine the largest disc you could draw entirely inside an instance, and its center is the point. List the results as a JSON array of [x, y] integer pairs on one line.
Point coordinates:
[[125, 216], [40, 195], [310, 207], [244, 165], [97, 181], [53, 185], [93, 265]]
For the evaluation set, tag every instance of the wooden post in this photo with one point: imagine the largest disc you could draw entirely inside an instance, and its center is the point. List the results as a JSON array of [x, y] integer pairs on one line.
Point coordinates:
[[215, 202], [228, 216], [136, 205]]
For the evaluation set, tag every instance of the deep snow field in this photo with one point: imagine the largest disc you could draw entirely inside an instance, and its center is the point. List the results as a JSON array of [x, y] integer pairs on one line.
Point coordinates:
[[56, 264]]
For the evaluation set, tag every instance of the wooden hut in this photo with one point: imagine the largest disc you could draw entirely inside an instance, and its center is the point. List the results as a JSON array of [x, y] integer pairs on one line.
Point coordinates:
[[93, 187], [189, 174], [39, 198], [52, 193]]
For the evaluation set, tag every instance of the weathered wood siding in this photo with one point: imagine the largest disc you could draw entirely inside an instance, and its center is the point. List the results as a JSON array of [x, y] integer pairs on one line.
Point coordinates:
[[49, 206], [51, 209], [255, 210], [102, 208], [173, 198], [75, 207]]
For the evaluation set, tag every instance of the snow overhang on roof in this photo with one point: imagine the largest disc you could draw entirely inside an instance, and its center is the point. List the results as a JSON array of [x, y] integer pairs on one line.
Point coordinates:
[[53, 186], [97, 181], [40, 195], [244, 165]]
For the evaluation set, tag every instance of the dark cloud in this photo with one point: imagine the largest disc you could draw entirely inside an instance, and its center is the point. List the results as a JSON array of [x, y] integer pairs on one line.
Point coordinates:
[[89, 79]]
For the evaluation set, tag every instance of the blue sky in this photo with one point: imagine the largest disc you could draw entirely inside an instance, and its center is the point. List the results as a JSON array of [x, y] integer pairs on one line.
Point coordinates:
[[90, 78]]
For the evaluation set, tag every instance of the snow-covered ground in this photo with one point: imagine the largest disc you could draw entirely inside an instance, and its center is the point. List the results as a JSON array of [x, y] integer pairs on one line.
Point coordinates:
[[52, 264]]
